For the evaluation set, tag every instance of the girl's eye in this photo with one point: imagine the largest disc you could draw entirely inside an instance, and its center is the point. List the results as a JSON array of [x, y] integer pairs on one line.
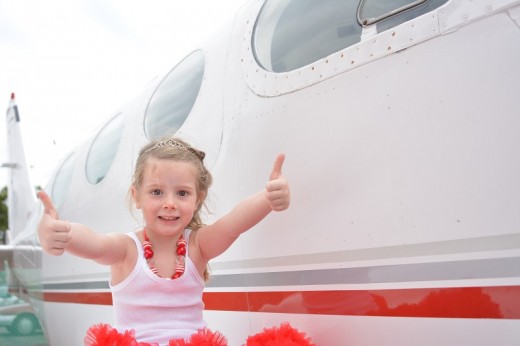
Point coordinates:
[[156, 192], [183, 193]]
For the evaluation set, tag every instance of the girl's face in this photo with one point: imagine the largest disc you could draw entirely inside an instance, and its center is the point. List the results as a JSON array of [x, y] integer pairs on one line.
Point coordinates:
[[168, 196]]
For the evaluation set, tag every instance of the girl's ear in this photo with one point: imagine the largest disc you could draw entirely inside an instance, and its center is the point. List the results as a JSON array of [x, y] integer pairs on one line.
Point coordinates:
[[135, 197], [201, 199]]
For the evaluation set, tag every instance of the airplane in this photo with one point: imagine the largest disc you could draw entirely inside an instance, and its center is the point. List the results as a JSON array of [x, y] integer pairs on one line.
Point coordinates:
[[400, 125]]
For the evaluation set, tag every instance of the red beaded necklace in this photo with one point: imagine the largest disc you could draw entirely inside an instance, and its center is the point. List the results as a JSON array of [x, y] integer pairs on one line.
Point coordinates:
[[179, 263]]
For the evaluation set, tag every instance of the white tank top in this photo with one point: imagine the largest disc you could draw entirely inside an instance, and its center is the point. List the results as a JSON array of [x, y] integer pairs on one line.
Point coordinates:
[[159, 309]]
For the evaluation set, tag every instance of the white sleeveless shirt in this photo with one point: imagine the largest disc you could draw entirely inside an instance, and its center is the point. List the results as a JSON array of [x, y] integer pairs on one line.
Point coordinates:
[[159, 309]]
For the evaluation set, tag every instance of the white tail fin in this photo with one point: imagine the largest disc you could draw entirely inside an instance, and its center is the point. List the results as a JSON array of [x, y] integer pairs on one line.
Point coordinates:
[[21, 193]]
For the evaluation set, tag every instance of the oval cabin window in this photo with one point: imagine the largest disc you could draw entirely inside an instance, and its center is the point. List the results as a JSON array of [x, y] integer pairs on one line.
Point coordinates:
[[103, 150], [290, 34], [172, 101]]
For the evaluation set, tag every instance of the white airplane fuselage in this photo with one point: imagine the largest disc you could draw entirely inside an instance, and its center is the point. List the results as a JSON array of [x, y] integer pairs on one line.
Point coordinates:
[[402, 152]]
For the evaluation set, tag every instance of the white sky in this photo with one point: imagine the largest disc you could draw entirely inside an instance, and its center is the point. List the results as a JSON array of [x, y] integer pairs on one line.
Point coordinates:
[[73, 63]]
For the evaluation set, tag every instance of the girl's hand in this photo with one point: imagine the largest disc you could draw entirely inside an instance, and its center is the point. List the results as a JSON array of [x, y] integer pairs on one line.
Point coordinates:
[[54, 234], [277, 189]]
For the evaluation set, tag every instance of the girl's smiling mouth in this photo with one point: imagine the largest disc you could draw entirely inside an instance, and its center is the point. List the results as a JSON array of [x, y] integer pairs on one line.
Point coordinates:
[[169, 218]]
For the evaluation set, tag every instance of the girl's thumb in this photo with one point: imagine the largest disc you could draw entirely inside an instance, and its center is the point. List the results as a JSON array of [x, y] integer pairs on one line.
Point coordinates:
[[48, 206], [277, 168]]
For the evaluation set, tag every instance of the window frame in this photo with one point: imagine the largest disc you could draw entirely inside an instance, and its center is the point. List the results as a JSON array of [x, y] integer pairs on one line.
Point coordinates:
[[370, 21]]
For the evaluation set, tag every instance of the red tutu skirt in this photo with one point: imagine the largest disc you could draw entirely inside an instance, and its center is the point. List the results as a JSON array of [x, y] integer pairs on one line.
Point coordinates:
[[285, 335], [104, 335]]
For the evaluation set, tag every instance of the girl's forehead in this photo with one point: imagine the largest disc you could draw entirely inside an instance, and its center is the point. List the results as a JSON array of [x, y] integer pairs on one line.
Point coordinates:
[[168, 168]]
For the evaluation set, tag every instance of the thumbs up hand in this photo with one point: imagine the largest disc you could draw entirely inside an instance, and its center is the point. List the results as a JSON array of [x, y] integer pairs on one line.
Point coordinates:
[[54, 234], [277, 188]]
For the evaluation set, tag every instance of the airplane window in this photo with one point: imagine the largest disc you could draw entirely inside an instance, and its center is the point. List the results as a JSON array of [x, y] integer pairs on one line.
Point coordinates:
[[175, 96], [289, 34], [390, 13], [104, 149], [63, 179]]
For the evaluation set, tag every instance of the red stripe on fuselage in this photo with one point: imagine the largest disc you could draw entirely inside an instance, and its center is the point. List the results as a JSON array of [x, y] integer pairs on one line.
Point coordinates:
[[94, 298], [501, 302]]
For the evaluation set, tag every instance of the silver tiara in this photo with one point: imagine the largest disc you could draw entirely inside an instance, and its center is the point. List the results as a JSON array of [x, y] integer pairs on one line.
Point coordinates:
[[168, 143]]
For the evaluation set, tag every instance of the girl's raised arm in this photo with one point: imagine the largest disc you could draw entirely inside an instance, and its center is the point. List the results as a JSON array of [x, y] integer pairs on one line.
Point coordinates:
[[57, 236], [216, 238]]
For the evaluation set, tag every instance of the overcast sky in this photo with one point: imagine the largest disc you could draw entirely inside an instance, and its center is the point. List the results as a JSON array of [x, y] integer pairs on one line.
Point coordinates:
[[73, 63]]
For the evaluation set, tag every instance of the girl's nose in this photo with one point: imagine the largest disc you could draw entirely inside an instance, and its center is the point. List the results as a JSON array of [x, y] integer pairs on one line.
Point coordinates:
[[169, 203]]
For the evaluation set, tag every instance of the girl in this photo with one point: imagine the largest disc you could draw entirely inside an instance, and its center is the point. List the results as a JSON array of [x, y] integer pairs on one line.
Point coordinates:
[[157, 273]]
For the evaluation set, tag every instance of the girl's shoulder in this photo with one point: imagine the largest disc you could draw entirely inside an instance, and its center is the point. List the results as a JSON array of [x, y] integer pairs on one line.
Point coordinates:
[[194, 231], [136, 235], [194, 251], [121, 270]]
